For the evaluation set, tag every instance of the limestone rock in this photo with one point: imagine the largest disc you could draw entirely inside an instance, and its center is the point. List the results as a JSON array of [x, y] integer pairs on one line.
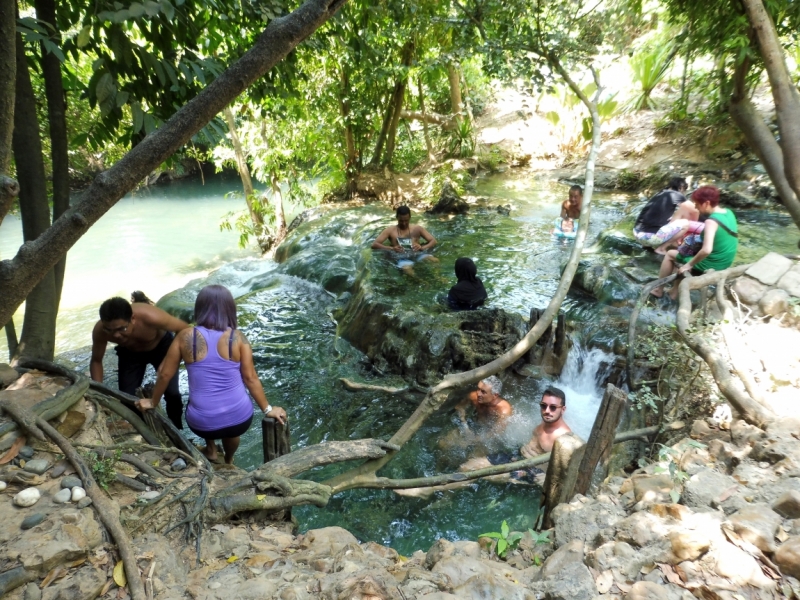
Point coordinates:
[[688, 545], [704, 487], [441, 548], [151, 495], [652, 488], [3, 486], [738, 566], [788, 505], [86, 583], [491, 586], [790, 282], [743, 434], [449, 203], [758, 525], [640, 529], [62, 496], [461, 569], [32, 592], [573, 582], [787, 557], [647, 590], [749, 290], [27, 497], [702, 432], [770, 268], [8, 375], [584, 521], [616, 555], [774, 302], [327, 541], [567, 554], [170, 569]]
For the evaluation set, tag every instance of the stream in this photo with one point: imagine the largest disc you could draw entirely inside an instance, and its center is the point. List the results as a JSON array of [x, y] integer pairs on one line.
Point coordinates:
[[289, 318]]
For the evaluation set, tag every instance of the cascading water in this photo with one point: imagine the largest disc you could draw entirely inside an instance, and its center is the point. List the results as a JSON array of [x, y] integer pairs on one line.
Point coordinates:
[[581, 380]]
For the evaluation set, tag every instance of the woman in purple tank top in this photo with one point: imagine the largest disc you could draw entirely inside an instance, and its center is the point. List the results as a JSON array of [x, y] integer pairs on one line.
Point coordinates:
[[219, 361]]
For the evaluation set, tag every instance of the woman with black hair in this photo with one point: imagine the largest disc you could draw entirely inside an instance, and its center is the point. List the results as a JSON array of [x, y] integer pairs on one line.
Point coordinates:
[[468, 293]]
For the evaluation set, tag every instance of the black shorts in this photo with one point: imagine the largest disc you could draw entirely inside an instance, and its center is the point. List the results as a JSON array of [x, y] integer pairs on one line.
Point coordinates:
[[224, 433]]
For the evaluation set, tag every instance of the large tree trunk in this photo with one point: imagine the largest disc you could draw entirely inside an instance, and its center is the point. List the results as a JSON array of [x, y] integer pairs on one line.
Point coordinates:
[[454, 77], [387, 119], [34, 259], [761, 140], [244, 172], [351, 159], [280, 215], [428, 145], [784, 92], [56, 114], [399, 98], [9, 189], [39, 325]]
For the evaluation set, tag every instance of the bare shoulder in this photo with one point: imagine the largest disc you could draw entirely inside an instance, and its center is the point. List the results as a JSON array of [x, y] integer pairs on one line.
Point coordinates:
[[148, 313], [99, 335], [505, 408], [240, 337]]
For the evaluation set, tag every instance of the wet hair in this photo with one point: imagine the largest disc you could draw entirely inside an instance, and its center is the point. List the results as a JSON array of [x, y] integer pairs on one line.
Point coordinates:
[[115, 308], [140, 296], [556, 393], [494, 384], [466, 269], [706, 193], [402, 210], [677, 184], [215, 308], [576, 188]]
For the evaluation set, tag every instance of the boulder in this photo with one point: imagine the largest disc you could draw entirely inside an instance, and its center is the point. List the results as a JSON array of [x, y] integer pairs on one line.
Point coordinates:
[[787, 557], [688, 545], [647, 590], [449, 203], [774, 302], [652, 488], [491, 586], [8, 375], [749, 290], [326, 542], [770, 268], [790, 282], [788, 505], [86, 583], [461, 569], [585, 521], [758, 525], [704, 487]]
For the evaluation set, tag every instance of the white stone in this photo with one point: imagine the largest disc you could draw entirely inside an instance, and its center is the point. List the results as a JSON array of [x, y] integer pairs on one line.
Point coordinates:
[[63, 496], [770, 268], [78, 493], [27, 497], [3, 485], [791, 282], [150, 495]]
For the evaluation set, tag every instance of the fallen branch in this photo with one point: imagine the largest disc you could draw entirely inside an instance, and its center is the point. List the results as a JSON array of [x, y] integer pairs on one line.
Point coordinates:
[[358, 387], [297, 491]]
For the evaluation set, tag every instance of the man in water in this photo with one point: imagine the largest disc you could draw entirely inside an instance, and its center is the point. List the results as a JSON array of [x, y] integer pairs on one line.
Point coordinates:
[[404, 239], [571, 208], [491, 411], [143, 334], [665, 218], [553, 407]]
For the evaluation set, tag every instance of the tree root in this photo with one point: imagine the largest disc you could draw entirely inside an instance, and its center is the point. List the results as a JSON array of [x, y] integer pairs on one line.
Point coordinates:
[[134, 484], [296, 492], [127, 414], [353, 386], [199, 505]]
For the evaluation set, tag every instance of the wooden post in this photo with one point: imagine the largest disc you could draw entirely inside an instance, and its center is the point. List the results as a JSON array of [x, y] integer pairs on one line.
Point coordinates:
[[562, 471], [561, 334], [275, 439], [598, 448]]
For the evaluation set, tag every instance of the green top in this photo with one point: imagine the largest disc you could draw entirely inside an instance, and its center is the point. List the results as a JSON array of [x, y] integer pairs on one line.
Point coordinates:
[[725, 244]]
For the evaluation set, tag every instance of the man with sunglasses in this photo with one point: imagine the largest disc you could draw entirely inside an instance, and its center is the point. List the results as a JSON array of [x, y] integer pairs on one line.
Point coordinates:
[[553, 406], [143, 334]]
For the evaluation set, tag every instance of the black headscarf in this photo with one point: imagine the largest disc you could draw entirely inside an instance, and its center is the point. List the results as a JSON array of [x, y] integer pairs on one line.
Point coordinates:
[[469, 292]]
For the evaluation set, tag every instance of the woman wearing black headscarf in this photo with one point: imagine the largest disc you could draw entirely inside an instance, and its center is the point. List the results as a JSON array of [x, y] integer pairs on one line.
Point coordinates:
[[469, 292]]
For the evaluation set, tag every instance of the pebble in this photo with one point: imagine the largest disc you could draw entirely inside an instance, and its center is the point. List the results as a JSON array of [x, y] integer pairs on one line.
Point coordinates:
[[214, 585], [26, 452], [78, 493], [179, 464], [71, 482], [37, 466], [32, 592], [3, 485], [63, 496], [27, 497], [84, 502], [32, 520], [57, 471], [150, 495]]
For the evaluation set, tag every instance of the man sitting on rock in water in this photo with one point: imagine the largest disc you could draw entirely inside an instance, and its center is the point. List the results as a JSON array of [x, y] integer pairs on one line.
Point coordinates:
[[404, 239], [491, 411], [143, 334], [666, 218]]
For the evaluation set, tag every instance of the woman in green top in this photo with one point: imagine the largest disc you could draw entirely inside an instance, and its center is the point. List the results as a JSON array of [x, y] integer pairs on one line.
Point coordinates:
[[720, 241]]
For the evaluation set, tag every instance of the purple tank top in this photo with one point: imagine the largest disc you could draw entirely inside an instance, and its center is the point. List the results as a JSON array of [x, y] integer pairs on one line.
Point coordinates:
[[217, 396]]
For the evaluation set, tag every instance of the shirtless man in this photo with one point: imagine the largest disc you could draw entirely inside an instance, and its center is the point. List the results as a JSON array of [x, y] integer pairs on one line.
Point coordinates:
[[553, 407], [571, 208], [491, 411], [143, 335], [404, 239]]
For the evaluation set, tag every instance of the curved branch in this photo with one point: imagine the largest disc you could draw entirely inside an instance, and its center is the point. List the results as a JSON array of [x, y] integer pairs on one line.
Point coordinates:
[[300, 492], [127, 414]]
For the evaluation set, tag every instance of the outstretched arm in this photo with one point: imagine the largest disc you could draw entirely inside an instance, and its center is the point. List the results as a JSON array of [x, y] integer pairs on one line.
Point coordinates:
[[99, 344], [166, 371], [251, 380], [155, 317]]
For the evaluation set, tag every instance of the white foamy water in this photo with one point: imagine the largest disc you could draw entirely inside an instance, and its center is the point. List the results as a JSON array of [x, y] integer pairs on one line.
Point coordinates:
[[580, 380]]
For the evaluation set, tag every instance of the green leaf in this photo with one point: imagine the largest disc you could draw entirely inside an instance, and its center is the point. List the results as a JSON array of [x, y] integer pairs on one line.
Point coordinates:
[[502, 546], [151, 8], [84, 36], [675, 495], [138, 117], [121, 16], [136, 10], [493, 534], [504, 529], [53, 49], [122, 99], [105, 88], [168, 9], [149, 124], [514, 537]]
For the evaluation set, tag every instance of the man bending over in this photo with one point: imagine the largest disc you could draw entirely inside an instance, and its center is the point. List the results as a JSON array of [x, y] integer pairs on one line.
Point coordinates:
[[143, 334]]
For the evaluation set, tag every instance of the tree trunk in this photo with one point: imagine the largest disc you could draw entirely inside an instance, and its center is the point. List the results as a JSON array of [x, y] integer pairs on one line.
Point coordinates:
[[454, 77], [761, 140], [351, 159], [11, 339], [387, 119], [784, 92], [56, 109], [9, 189], [244, 172], [428, 145], [398, 99], [20, 275], [280, 217], [39, 324]]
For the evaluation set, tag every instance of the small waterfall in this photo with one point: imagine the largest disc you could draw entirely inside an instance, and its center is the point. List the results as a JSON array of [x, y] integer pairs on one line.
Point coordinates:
[[581, 380]]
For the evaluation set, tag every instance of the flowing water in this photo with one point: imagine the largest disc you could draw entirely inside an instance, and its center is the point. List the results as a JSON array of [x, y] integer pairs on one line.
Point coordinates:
[[158, 239]]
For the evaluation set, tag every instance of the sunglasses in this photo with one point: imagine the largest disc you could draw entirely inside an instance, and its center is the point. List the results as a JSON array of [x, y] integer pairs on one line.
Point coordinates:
[[545, 406]]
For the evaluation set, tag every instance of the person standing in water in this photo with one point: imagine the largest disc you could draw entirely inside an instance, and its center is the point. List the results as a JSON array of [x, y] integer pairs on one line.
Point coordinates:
[[468, 293], [571, 207], [405, 240]]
